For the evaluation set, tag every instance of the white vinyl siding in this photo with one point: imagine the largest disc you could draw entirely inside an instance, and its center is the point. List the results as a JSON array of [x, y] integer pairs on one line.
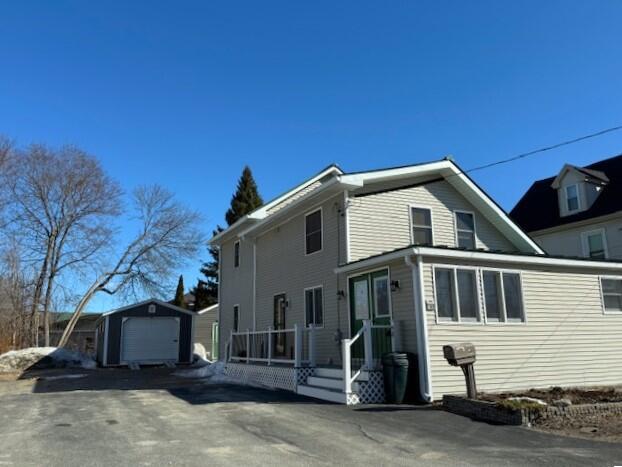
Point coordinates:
[[381, 222], [566, 340], [284, 267]]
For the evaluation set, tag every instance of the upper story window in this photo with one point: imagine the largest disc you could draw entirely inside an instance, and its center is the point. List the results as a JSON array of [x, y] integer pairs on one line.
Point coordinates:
[[314, 306], [236, 254], [612, 293], [421, 220], [465, 229], [313, 232], [594, 244], [572, 198]]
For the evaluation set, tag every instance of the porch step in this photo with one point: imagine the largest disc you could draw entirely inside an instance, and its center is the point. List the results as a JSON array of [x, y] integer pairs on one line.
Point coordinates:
[[329, 383], [316, 392], [337, 373]]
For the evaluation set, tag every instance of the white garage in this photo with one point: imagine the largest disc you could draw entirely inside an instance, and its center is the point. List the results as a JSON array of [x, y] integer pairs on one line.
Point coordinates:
[[147, 333]]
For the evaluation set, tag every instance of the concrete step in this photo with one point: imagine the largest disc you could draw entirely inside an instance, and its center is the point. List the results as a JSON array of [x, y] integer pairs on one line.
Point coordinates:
[[323, 394], [337, 373]]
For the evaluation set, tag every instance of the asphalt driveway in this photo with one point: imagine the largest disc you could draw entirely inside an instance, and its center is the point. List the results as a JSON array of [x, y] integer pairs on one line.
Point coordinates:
[[119, 417]]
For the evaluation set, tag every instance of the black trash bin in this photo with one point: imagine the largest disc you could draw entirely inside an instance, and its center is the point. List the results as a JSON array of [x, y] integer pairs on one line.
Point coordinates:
[[401, 378]]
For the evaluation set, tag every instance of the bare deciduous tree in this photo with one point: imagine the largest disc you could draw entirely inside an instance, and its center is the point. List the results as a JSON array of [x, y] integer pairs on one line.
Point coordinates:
[[60, 204], [167, 237]]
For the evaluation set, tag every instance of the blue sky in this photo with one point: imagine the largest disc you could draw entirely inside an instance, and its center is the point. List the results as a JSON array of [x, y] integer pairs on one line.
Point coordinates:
[[185, 93]]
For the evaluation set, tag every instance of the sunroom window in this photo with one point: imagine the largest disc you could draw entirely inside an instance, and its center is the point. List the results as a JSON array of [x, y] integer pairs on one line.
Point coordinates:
[[612, 294], [503, 296], [456, 294]]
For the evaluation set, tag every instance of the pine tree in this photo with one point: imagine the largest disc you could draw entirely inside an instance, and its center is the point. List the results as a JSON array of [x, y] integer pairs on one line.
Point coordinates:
[[245, 200], [179, 294]]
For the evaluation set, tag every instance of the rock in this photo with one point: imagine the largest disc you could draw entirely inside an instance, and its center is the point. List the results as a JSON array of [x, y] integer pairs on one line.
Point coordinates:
[[562, 403], [528, 399], [588, 429]]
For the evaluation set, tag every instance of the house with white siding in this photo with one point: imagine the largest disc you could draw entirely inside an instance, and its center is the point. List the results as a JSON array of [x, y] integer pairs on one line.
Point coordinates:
[[319, 283]]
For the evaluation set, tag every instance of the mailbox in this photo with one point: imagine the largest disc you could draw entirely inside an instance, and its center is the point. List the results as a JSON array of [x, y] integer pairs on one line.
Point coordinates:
[[459, 354], [463, 355]]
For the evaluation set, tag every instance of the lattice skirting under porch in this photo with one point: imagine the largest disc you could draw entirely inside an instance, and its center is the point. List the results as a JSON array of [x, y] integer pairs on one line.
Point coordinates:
[[270, 376], [370, 391]]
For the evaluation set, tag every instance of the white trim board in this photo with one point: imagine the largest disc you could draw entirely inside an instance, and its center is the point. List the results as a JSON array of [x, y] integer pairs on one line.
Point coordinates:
[[481, 256]]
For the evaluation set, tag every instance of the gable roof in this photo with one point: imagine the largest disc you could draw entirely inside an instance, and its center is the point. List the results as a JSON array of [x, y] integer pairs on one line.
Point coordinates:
[[339, 181], [538, 209], [145, 302]]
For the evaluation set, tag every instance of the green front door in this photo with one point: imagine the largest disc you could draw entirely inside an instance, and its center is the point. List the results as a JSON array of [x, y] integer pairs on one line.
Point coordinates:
[[370, 298]]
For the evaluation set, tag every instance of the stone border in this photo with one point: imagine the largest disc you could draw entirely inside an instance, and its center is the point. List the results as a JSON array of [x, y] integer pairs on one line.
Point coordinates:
[[491, 412]]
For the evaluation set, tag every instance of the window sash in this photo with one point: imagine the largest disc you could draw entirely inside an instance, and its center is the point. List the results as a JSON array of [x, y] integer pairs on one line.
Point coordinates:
[[382, 306], [572, 197], [457, 292], [612, 294], [596, 250], [313, 232], [507, 296], [465, 229], [314, 307], [421, 226]]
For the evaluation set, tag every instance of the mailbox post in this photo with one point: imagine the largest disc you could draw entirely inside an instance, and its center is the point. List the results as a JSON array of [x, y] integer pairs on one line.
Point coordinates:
[[463, 355]]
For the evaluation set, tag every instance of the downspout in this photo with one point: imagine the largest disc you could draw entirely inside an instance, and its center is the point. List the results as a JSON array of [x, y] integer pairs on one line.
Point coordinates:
[[423, 354], [254, 283], [219, 301]]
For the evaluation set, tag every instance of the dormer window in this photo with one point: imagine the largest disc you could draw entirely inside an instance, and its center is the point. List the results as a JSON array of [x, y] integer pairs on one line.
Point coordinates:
[[572, 198]]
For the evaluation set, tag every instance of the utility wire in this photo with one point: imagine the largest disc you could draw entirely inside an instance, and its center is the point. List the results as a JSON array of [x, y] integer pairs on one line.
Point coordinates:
[[547, 148]]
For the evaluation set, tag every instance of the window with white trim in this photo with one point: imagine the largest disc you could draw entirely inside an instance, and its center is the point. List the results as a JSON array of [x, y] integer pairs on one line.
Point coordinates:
[[382, 307], [236, 318], [465, 230], [503, 296], [314, 307], [572, 198], [421, 220], [456, 294], [594, 244], [612, 294], [236, 254], [313, 232]]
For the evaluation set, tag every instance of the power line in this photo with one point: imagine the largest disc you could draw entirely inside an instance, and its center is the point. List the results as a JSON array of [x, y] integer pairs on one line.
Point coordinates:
[[547, 148]]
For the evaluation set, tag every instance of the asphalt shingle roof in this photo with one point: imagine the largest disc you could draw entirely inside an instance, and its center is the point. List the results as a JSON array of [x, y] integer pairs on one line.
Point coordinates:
[[538, 208]]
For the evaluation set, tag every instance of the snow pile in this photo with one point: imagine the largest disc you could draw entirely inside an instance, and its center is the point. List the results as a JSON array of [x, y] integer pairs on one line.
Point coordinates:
[[215, 372], [71, 376], [44, 357]]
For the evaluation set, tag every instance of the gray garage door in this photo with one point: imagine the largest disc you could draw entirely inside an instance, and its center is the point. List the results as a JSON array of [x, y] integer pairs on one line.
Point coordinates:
[[146, 340]]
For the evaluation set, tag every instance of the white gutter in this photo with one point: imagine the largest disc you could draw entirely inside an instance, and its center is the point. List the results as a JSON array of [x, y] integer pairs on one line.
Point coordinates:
[[480, 256], [423, 354]]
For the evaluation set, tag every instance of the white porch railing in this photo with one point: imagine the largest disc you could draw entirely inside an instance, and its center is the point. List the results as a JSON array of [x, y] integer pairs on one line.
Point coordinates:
[[370, 361], [295, 346]]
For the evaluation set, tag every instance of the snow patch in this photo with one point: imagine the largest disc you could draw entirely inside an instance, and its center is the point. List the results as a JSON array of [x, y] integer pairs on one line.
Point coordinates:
[[44, 357], [214, 373], [73, 376]]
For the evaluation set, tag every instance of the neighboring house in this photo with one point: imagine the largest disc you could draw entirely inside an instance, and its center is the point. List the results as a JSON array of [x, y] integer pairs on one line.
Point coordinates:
[[206, 330], [576, 213], [82, 337], [317, 284], [148, 333]]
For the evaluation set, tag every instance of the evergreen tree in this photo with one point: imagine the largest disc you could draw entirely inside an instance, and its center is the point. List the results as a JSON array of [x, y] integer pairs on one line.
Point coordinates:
[[179, 294], [245, 200]]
